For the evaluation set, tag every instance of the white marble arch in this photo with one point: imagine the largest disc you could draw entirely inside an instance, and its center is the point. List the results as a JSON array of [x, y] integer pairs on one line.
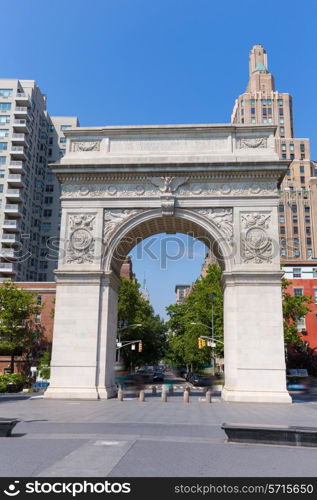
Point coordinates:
[[123, 184]]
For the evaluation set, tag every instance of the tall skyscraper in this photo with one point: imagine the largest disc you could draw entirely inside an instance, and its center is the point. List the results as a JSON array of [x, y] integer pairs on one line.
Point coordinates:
[[261, 103], [29, 192]]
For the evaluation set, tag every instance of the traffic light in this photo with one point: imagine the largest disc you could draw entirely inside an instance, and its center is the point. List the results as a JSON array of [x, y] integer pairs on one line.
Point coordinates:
[[140, 346], [201, 343]]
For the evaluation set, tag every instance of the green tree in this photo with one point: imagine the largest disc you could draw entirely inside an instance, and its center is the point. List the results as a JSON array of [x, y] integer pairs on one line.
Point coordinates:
[[134, 309], [18, 334], [183, 338], [295, 307]]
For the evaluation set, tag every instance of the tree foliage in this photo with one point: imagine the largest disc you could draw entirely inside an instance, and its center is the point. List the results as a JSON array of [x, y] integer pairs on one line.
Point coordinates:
[[18, 334], [197, 308], [134, 309], [295, 307]]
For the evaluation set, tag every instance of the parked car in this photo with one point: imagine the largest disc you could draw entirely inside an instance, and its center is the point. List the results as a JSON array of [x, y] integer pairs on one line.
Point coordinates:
[[297, 384], [158, 377], [189, 376], [198, 379]]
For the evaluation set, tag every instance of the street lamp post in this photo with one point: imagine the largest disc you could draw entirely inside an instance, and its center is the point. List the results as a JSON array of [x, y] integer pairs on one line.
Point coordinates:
[[124, 326]]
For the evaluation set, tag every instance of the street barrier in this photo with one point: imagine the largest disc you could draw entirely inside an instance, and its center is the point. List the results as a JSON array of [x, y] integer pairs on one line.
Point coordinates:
[[142, 396], [186, 396], [208, 397]]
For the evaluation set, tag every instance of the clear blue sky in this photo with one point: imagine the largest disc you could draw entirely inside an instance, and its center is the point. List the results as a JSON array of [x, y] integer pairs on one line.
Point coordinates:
[[159, 61]]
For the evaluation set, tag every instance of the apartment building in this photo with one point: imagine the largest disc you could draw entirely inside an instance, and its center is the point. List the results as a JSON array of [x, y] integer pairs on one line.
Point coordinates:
[[262, 103], [29, 192]]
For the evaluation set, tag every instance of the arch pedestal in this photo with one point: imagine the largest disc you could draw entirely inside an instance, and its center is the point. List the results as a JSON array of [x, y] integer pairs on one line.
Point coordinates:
[[122, 184]]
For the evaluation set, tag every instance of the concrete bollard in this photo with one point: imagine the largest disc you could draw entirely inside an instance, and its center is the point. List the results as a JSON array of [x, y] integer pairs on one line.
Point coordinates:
[[171, 390], [164, 396], [153, 389], [120, 395], [142, 396], [187, 388], [186, 396], [208, 396]]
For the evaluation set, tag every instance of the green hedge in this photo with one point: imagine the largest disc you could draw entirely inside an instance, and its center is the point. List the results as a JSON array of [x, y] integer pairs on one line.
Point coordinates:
[[12, 378]]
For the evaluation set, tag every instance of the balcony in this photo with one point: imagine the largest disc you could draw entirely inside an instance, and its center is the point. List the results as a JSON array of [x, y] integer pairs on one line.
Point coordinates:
[[13, 210], [7, 253], [6, 268], [18, 152], [22, 99], [17, 167], [9, 239], [12, 226], [15, 195], [21, 125], [16, 180], [21, 111], [20, 139]]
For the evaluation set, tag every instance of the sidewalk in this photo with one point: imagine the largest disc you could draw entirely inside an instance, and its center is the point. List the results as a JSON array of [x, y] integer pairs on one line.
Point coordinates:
[[130, 438]]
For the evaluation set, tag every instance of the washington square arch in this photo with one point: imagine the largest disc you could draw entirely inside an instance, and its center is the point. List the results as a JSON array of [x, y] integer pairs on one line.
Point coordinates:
[[123, 184]]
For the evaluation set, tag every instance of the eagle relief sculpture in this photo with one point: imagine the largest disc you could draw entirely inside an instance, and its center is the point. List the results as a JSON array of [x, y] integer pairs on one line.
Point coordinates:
[[168, 184]]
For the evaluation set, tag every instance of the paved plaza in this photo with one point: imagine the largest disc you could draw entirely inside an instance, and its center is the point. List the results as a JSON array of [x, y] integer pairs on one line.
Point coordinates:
[[131, 438]]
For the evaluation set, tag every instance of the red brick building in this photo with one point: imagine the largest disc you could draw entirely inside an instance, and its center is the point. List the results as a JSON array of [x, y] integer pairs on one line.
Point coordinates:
[[304, 282]]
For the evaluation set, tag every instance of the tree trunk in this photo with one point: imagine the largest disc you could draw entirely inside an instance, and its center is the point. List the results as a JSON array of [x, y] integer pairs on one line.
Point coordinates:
[[12, 362]]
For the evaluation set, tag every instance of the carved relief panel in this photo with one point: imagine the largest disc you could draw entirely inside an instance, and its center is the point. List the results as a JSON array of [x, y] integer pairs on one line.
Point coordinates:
[[80, 244], [256, 242]]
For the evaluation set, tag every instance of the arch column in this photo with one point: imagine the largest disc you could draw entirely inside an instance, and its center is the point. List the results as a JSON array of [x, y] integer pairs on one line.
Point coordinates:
[[253, 338], [83, 352]]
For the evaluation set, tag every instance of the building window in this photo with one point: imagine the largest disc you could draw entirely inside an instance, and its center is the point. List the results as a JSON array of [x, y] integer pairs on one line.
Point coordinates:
[[242, 102], [297, 272], [264, 111], [307, 209], [288, 172], [292, 156], [281, 120], [295, 219], [5, 106], [302, 148], [269, 101], [309, 252], [280, 102], [252, 102], [315, 295], [302, 169], [302, 179], [308, 242], [283, 252], [253, 120], [281, 111], [295, 229], [4, 132], [65, 127], [4, 119], [281, 208], [300, 323], [282, 218], [296, 241], [49, 188], [302, 156], [294, 209], [62, 152], [37, 318], [46, 227], [282, 229], [3, 146], [47, 213], [252, 111], [62, 139], [2, 160], [298, 292], [307, 219], [282, 130], [48, 200], [282, 241], [283, 147], [284, 157], [308, 230], [6, 92], [291, 147], [39, 300], [315, 273]]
